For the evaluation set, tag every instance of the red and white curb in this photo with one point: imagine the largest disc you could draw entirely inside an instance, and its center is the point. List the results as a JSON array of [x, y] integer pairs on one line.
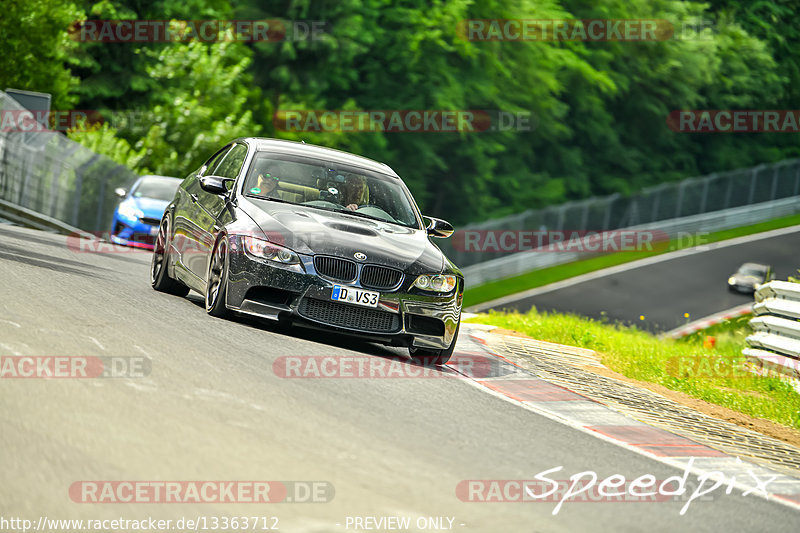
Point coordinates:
[[588, 416], [707, 322]]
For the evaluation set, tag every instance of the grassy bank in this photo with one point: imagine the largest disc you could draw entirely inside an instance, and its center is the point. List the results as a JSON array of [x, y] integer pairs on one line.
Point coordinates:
[[538, 278], [685, 365]]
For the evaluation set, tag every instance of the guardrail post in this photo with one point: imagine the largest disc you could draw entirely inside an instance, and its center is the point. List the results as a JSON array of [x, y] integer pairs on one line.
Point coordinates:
[[657, 204], [705, 192], [753, 184], [78, 185], [585, 215], [797, 181], [728, 192], [678, 204], [774, 183]]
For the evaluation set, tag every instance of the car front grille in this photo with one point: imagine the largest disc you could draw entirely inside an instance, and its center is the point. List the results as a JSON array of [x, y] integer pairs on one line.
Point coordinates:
[[378, 277], [349, 316], [150, 221], [335, 268]]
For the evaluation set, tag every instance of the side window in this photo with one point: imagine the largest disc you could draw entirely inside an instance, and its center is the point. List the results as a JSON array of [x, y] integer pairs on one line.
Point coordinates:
[[232, 163], [211, 164]]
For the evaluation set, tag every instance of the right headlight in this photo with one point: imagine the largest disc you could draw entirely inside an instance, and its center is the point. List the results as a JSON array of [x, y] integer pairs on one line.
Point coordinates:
[[270, 251], [435, 282], [130, 211]]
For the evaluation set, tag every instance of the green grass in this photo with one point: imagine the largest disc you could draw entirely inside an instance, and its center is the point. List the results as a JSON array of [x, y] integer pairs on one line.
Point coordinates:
[[685, 365], [538, 278]]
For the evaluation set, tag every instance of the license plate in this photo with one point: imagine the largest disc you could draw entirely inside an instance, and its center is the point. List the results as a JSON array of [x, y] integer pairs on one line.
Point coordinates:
[[355, 296]]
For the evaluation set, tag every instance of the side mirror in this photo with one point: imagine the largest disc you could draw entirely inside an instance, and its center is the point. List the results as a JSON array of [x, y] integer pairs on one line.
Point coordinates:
[[119, 191], [438, 228], [214, 184]]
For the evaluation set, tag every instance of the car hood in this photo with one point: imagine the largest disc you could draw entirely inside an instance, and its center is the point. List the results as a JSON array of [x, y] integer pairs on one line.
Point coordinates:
[[151, 207], [747, 280], [313, 231]]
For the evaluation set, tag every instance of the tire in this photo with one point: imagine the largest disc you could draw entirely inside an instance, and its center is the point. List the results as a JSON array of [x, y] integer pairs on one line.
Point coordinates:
[[428, 356], [159, 277], [217, 280]]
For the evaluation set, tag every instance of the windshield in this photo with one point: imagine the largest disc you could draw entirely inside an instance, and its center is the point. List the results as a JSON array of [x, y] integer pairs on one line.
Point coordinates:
[[328, 186], [157, 188], [750, 270]]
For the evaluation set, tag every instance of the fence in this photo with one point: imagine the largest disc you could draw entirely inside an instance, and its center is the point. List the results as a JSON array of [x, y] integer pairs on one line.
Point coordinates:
[[521, 262], [650, 207], [775, 343], [47, 173]]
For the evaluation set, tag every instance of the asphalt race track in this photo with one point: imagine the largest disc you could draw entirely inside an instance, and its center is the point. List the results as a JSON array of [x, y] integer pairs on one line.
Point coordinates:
[[213, 409], [662, 292]]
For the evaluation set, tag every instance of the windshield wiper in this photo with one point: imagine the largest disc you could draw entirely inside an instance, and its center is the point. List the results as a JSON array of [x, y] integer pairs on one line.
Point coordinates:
[[272, 199]]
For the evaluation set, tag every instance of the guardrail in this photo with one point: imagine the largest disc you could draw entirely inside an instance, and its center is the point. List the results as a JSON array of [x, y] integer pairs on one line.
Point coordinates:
[[775, 342]]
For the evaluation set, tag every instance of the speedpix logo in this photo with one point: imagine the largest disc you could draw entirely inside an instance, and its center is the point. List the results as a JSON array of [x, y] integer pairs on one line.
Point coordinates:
[[588, 487]]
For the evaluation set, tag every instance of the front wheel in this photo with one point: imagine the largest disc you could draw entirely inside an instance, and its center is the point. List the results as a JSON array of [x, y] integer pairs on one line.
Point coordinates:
[[159, 277], [217, 283], [429, 356]]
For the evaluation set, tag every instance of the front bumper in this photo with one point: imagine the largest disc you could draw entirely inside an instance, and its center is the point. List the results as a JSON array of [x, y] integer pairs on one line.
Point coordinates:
[[134, 233], [404, 317]]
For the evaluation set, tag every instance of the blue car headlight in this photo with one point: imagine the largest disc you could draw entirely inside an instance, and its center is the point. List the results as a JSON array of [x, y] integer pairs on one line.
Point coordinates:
[[129, 211]]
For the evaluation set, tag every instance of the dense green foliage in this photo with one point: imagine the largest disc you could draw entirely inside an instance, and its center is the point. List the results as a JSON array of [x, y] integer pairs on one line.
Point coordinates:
[[599, 108]]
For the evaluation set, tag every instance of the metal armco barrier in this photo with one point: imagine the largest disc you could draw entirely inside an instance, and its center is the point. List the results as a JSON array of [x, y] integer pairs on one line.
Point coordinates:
[[775, 342]]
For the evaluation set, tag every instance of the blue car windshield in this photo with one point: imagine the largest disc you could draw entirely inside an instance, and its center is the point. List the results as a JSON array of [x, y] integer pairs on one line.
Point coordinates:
[[157, 188]]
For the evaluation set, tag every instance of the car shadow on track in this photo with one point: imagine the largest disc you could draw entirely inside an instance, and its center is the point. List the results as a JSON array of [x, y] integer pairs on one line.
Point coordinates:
[[334, 339]]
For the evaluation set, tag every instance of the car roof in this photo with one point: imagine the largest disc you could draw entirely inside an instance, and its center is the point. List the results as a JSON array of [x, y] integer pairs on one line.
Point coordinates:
[[318, 152]]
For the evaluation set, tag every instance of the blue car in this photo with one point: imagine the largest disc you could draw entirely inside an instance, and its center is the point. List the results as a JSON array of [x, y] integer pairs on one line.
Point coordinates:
[[137, 217]]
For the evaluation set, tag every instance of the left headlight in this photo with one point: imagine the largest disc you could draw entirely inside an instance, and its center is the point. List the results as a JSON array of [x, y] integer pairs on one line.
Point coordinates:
[[270, 251], [435, 282]]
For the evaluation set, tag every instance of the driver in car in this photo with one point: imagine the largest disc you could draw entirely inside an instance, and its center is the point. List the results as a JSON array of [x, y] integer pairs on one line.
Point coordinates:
[[355, 192], [266, 184]]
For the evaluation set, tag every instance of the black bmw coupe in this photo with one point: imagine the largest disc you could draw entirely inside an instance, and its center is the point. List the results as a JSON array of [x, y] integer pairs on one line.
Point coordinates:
[[315, 236]]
